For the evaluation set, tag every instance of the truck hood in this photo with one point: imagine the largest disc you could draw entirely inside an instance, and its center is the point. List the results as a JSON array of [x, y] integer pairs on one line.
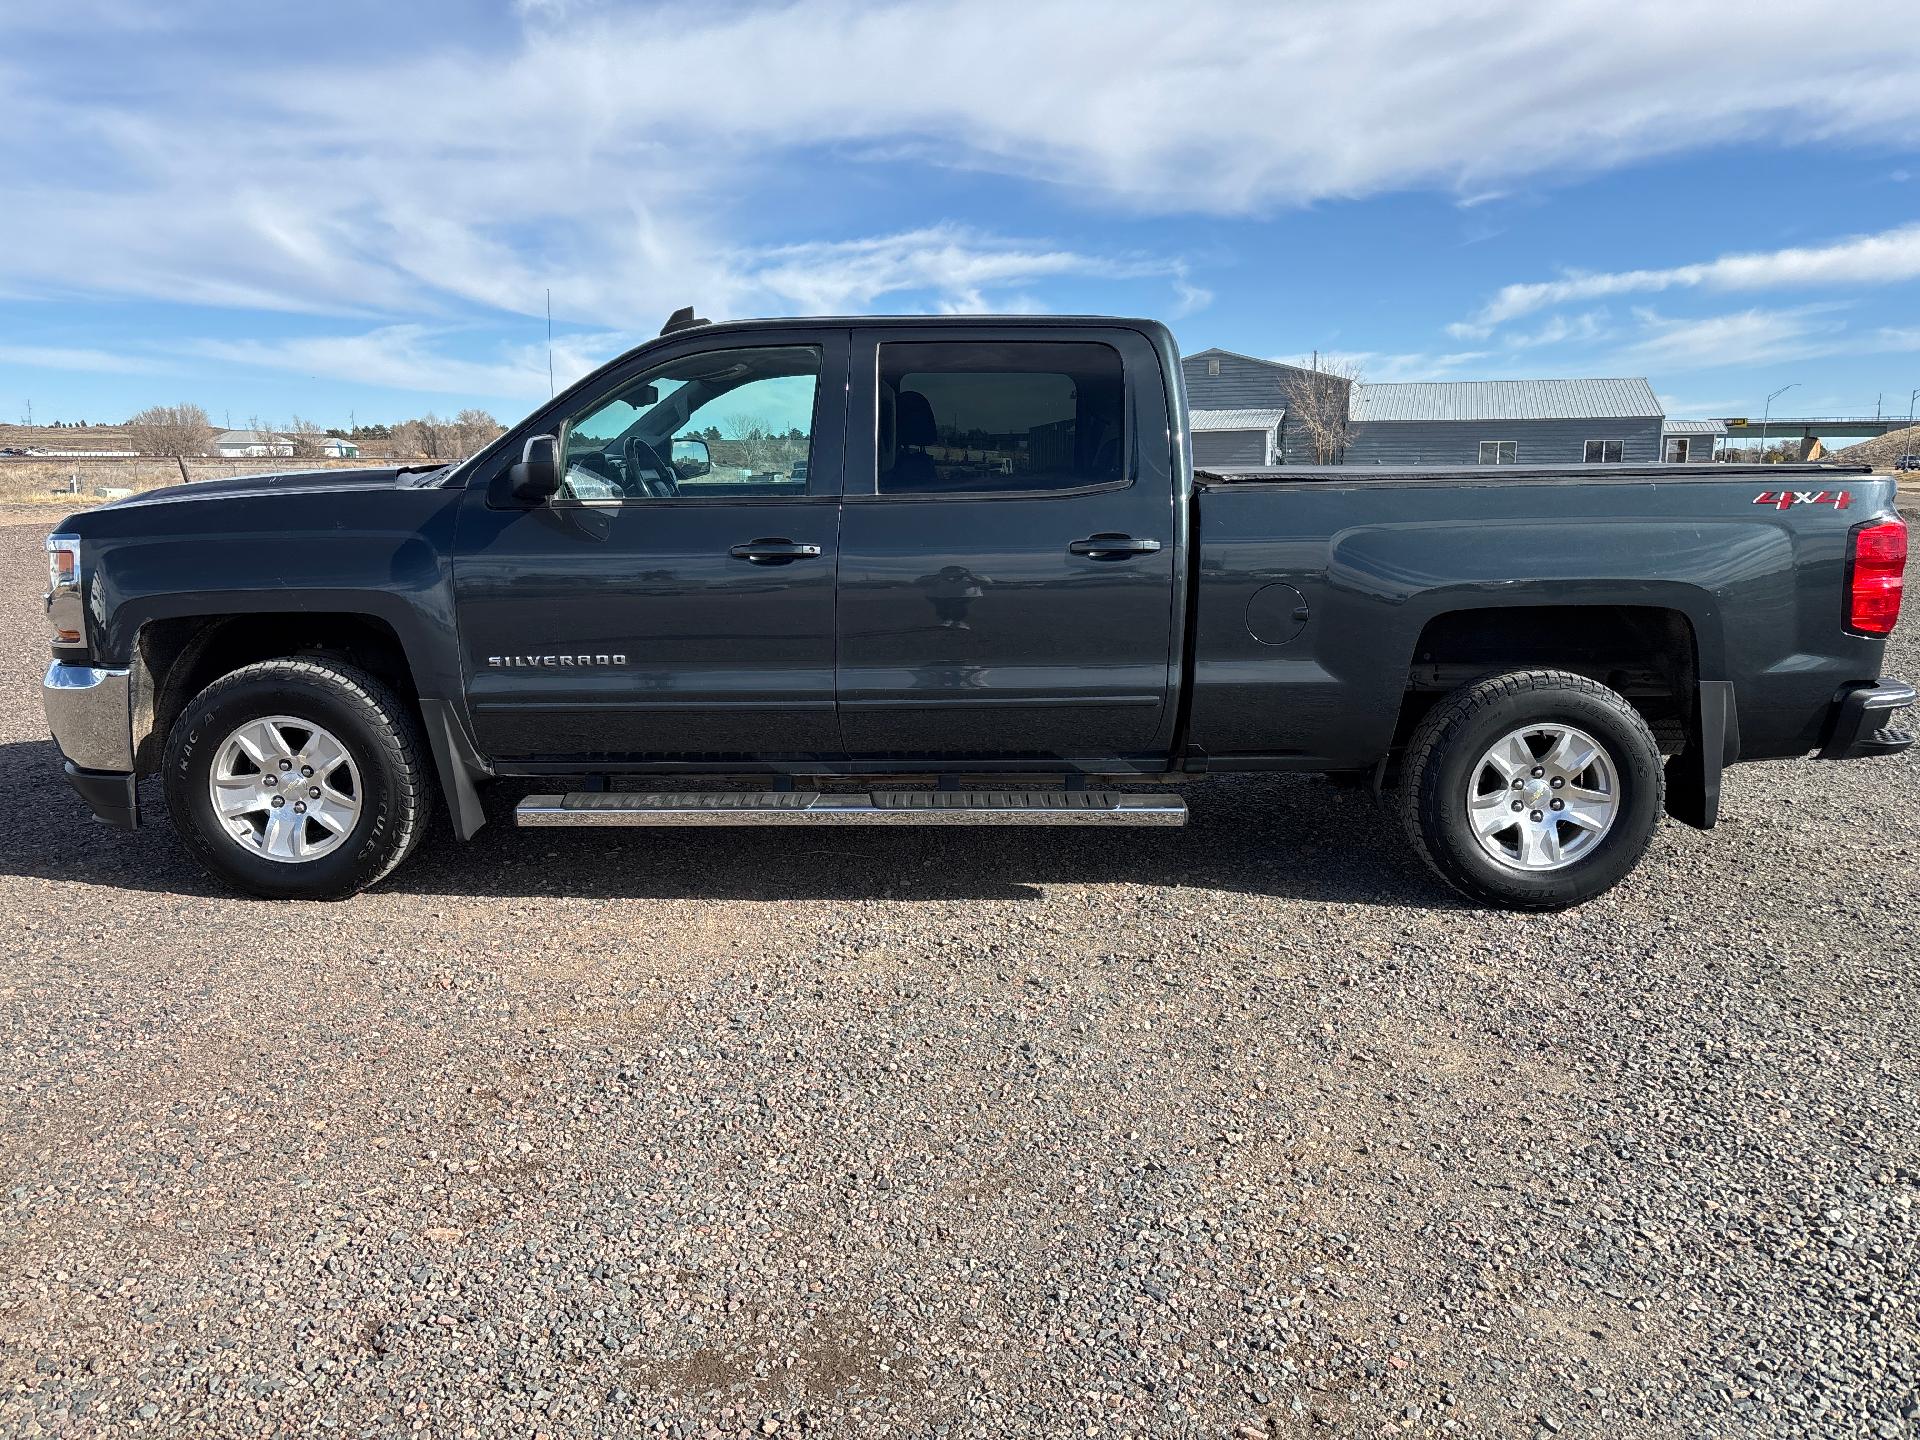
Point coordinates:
[[304, 482]]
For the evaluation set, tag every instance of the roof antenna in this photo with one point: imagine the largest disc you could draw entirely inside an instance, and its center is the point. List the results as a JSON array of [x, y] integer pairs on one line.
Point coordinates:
[[549, 342], [682, 319]]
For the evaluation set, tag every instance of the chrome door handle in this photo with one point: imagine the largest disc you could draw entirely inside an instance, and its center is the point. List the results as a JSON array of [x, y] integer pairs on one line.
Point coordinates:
[[773, 552], [1112, 547]]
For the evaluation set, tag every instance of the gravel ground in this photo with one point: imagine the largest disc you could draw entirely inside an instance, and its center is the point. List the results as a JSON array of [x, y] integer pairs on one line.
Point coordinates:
[[1249, 1129]]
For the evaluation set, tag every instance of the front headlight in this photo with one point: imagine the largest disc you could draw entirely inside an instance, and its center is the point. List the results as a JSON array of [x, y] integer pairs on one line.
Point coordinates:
[[63, 588]]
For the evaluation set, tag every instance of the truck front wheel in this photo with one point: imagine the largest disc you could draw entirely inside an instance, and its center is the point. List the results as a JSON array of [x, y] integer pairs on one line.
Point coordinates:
[[1533, 790], [297, 779]]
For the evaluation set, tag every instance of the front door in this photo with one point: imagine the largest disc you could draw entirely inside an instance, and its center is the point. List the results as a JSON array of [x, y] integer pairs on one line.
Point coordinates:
[[675, 600], [1008, 549]]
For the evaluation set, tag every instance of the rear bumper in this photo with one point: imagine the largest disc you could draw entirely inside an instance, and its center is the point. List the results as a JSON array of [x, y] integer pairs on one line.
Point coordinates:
[[1862, 722]]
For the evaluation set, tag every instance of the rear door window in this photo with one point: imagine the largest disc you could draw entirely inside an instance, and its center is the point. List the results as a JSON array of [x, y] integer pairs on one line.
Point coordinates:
[[1000, 417]]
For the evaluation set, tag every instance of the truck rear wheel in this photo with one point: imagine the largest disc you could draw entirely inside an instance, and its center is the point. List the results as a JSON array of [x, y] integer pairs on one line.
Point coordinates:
[[297, 779], [1533, 790]]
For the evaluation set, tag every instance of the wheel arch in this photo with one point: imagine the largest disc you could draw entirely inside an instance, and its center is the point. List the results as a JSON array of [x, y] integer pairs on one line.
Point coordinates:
[[1654, 655], [175, 656]]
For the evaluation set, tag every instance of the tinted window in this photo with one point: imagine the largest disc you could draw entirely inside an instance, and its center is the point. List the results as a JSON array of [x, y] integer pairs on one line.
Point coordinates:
[[1000, 417], [726, 424]]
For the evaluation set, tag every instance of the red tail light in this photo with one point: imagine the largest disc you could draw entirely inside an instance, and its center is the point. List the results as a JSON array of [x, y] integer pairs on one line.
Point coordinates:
[[1874, 576]]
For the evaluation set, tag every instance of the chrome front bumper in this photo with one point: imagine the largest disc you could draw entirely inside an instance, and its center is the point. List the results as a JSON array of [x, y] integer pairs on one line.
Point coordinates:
[[89, 710]]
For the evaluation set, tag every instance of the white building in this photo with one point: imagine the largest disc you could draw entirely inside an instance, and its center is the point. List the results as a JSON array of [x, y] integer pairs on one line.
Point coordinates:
[[251, 444], [256, 444]]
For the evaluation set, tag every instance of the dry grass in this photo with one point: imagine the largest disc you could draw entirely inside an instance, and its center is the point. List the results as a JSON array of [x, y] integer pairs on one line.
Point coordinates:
[[56, 483]]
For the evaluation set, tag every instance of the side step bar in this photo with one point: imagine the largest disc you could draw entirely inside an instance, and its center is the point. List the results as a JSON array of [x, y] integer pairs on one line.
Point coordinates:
[[879, 807]]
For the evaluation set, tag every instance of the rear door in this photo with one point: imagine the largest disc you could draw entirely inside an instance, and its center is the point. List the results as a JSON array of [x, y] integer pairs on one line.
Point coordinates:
[[676, 599], [1007, 549]]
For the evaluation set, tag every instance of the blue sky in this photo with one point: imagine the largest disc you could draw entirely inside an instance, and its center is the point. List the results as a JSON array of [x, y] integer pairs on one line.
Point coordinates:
[[277, 209]]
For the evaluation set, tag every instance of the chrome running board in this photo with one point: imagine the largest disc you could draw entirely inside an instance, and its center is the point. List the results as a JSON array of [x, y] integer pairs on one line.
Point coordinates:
[[878, 807]]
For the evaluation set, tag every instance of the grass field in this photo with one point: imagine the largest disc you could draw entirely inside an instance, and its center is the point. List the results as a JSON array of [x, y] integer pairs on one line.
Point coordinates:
[[53, 482]]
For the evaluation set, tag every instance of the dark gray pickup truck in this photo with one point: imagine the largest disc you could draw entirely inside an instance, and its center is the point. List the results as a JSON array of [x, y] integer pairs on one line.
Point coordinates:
[[818, 556]]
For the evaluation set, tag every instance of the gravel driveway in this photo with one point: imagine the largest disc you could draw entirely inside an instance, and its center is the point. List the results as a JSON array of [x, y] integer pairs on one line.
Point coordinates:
[[1248, 1129]]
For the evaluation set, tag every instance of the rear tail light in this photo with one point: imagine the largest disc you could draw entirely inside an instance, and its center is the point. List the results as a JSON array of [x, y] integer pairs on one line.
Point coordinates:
[[1874, 576]]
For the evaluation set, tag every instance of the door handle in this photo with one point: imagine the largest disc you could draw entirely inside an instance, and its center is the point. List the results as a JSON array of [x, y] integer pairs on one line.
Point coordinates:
[[1112, 547], [773, 552]]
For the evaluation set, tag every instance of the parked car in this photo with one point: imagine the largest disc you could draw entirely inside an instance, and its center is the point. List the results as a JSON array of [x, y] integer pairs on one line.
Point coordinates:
[[999, 566], [1909, 461]]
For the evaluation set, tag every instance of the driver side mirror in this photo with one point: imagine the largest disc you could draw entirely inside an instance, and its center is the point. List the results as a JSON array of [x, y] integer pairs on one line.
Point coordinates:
[[537, 476], [692, 459]]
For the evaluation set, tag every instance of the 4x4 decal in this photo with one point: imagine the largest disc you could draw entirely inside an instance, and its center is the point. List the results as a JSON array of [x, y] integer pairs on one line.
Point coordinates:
[[1787, 499]]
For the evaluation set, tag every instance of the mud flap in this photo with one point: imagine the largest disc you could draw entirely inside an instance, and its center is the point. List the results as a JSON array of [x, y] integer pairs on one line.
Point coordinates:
[[1713, 743]]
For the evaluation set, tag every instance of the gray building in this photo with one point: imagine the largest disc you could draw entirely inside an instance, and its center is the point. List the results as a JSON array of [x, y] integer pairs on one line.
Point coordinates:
[[1690, 441], [1506, 422], [1239, 417], [1237, 437], [1238, 408]]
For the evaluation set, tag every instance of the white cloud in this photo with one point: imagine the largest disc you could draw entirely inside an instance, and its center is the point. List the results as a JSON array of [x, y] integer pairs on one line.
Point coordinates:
[[67, 357], [1383, 367], [961, 267], [1884, 258], [1746, 337], [455, 175], [415, 357]]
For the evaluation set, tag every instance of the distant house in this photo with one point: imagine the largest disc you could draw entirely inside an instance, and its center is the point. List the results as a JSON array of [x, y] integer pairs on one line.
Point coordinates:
[[1507, 422], [259, 444], [1690, 441], [251, 444]]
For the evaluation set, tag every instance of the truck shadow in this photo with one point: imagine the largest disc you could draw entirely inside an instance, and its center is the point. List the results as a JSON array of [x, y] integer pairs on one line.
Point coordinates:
[[1281, 836]]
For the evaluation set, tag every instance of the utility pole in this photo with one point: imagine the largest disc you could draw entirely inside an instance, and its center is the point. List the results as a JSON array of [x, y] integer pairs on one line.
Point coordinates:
[[549, 342], [1767, 413], [1910, 400]]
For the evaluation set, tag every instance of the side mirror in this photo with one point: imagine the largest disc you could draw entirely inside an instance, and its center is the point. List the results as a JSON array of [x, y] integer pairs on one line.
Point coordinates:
[[537, 476], [692, 459]]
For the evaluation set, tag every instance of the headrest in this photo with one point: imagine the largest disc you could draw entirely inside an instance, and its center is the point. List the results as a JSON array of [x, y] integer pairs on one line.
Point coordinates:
[[914, 422]]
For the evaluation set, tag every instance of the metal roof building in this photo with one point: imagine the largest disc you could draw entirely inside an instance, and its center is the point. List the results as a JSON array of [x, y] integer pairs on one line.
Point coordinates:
[[1506, 422], [1246, 436], [1239, 417], [1505, 400]]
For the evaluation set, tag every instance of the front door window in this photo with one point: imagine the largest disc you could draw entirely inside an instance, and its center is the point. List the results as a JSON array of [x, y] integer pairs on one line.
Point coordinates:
[[723, 425]]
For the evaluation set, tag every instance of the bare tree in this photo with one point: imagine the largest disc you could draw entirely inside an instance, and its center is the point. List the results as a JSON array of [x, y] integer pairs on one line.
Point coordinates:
[[1320, 401], [427, 437], [309, 439], [473, 430], [756, 446], [177, 430]]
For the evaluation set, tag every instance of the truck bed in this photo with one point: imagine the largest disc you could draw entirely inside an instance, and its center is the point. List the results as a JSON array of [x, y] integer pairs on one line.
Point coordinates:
[[1570, 473]]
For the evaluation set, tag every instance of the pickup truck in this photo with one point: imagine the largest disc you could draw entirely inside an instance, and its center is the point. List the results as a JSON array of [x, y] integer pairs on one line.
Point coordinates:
[[820, 556]]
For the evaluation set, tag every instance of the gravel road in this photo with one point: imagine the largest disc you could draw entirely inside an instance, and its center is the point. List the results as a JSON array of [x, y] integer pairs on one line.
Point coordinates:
[[1249, 1129]]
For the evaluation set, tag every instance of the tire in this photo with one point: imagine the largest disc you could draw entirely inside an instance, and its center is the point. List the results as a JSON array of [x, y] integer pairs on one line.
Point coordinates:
[[380, 784], [1449, 765]]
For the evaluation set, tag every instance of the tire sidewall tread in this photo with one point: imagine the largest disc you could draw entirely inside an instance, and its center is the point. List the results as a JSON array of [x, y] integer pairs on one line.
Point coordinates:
[[1453, 736], [367, 716]]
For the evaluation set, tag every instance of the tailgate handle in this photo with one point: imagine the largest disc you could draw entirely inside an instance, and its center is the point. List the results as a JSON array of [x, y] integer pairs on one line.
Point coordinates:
[[1112, 547], [773, 552]]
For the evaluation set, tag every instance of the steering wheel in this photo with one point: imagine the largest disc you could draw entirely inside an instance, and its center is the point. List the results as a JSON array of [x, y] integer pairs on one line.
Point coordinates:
[[642, 456]]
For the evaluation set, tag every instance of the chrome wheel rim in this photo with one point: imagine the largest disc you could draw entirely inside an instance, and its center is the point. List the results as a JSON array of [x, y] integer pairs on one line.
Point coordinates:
[[285, 789], [1543, 797]]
